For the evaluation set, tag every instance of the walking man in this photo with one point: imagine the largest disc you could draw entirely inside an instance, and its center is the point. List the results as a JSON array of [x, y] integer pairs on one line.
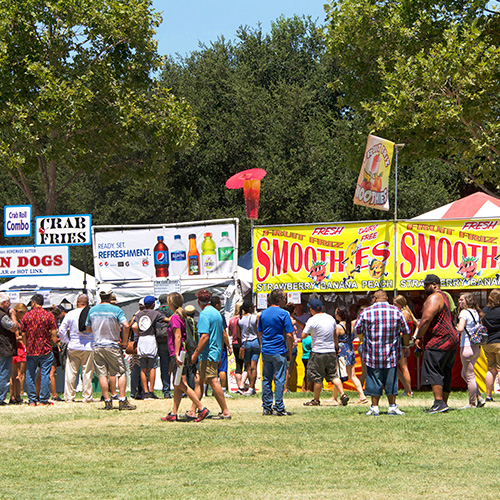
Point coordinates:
[[209, 350], [325, 346], [39, 330], [163, 352], [104, 322], [275, 331], [439, 340], [79, 353], [382, 325], [8, 344]]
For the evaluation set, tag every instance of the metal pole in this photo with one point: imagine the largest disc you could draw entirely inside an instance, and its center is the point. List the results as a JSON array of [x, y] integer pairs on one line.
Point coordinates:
[[396, 147], [85, 270]]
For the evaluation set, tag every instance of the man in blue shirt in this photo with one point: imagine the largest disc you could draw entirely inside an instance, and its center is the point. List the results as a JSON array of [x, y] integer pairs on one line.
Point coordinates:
[[209, 350], [275, 331]]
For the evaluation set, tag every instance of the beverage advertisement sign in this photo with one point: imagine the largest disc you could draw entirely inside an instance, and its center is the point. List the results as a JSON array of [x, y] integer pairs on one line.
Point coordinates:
[[176, 252], [341, 257], [373, 182], [34, 261], [463, 253]]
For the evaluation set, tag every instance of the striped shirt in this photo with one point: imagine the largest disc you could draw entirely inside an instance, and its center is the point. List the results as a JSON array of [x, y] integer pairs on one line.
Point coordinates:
[[381, 326]]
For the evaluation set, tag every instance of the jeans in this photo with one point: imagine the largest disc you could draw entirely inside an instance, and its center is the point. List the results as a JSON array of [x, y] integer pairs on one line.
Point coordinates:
[[5, 374], [135, 381], [273, 366], [164, 368], [45, 363]]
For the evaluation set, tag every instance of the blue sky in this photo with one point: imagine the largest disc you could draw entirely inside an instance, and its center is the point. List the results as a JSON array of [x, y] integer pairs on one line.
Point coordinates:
[[186, 22]]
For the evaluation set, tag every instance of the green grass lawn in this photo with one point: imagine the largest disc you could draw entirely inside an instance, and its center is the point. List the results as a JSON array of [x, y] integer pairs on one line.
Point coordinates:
[[79, 451]]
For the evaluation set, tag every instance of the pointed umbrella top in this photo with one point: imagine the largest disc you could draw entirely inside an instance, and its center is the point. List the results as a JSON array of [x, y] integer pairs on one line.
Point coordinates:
[[237, 181]]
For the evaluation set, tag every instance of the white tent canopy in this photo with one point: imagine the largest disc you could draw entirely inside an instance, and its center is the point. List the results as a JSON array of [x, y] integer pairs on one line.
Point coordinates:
[[62, 288]]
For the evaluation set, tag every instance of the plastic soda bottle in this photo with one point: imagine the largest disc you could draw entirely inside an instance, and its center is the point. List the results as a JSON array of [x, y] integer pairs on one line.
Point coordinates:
[[160, 253], [208, 254], [193, 256], [226, 254], [178, 257]]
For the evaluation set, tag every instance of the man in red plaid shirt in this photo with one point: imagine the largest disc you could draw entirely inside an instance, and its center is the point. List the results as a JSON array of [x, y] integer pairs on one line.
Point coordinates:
[[382, 326]]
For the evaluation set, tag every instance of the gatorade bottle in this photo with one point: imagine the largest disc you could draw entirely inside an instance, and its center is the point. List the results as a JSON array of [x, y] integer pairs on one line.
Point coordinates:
[[160, 252], [208, 254], [226, 254], [178, 257], [193, 257]]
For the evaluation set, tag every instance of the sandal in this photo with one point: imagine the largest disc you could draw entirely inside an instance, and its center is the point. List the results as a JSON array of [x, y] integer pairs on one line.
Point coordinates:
[[362, 401], [313, 402]]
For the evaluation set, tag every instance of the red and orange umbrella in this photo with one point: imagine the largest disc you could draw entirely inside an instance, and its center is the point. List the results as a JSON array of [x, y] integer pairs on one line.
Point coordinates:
[[249, 180]]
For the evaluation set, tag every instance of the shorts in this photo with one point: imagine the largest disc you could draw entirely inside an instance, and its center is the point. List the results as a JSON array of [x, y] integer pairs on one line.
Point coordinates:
[[252, 351], [223, 360], [492, 352], [305, 362], [147, 363], [437, 366], [376, 378], [208, 369], [239, 361], [322, 365], [173, 365], [57, 358], [108, 361], [21, 354]]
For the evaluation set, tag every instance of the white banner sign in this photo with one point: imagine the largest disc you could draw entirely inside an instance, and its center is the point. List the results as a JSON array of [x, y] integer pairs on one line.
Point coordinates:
[[17, 220], [201, 251], [70, 230], [34, 261]]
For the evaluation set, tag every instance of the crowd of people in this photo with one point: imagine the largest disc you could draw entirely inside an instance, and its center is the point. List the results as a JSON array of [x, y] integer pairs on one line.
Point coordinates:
[[193, 358]]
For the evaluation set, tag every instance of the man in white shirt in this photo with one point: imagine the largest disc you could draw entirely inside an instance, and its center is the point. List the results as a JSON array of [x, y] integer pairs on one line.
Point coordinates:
[[325, 346], [79, 353]]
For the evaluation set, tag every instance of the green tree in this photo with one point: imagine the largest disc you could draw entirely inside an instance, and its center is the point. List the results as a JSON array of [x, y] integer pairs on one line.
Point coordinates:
[[78, 96], [426, 73]]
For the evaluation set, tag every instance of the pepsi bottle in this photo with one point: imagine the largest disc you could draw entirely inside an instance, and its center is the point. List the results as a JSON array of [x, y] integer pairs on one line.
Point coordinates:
[[160, 252]]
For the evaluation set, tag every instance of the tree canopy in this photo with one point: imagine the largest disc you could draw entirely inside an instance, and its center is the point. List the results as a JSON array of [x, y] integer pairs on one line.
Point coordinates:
[[78, 95], [426, 73]]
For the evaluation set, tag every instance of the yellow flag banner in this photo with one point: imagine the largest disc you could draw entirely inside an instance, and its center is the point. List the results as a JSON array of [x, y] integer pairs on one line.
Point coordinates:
[[373, 182], [324, 258], [464, 254]]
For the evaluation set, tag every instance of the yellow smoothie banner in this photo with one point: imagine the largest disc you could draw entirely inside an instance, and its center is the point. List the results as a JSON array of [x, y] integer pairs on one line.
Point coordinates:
[[463, 253], [373, 182], [324, 257]]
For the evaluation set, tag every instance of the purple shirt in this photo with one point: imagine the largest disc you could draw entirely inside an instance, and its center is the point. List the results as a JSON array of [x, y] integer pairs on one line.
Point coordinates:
[[381, 326], [175, 322]]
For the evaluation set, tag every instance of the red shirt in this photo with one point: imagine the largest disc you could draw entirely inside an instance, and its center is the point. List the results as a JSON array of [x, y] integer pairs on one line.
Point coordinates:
[[38, 324], [441, 334]]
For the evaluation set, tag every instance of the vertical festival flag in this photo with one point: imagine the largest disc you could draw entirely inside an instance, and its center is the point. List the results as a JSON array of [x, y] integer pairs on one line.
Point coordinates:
[[373, 182]]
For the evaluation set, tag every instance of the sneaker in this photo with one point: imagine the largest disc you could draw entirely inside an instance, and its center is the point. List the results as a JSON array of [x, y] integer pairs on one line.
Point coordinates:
[[489, 400], [249, 392], [394, 410], [202, 415], [165, 396], [373, 411], [227, 395], [3, 403], [344, 399], [108, 405], [169, 418], [115, 397], [282, 413], [267, 412], [125, 405], [480, 402], [57, 398], [152, 395], [466, 407], [139, 397], [438, 407]]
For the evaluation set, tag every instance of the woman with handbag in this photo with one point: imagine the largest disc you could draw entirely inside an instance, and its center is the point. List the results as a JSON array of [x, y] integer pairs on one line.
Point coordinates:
[[469, 315], [491, 320], [250, 347]]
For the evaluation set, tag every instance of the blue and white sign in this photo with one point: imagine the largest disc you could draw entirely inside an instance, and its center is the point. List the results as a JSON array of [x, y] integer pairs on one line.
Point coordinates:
[[17, 220]]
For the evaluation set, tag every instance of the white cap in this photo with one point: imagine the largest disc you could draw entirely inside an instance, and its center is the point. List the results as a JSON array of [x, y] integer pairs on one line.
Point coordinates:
[[105, 290]]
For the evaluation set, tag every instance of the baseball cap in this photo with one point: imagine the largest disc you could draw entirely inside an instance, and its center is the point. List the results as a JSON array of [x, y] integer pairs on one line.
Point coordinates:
[[105, 290], [163, 298], [204, 296], [432, 278], [149, 300], [315, 304]]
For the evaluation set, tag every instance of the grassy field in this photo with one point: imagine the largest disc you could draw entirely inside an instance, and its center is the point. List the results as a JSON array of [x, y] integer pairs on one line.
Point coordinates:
[[79, 451]]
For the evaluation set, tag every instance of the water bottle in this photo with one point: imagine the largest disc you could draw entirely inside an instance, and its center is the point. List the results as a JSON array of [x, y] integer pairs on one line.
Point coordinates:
[[208, 254], [226, 255], [178, 257], [160, 252]]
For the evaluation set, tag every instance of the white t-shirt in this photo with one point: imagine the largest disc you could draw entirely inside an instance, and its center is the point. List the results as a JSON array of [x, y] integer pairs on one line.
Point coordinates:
[[321, 326], [468, 315]]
